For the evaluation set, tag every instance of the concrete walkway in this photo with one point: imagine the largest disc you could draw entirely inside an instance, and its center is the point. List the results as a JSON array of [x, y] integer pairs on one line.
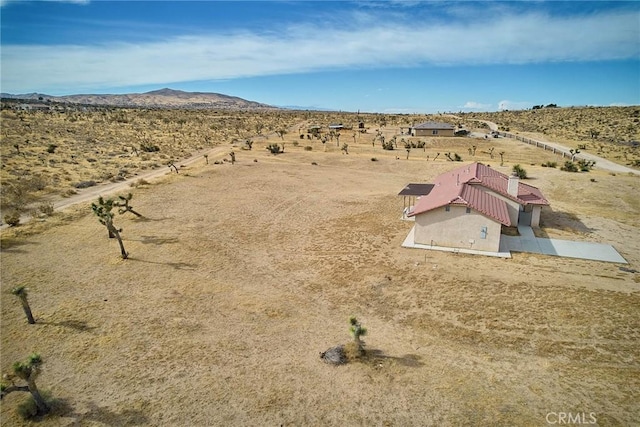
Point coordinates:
[[528, 242]]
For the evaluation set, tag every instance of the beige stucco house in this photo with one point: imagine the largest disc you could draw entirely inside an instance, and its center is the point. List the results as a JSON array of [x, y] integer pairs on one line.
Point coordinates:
[[467, 207], [433, 129]]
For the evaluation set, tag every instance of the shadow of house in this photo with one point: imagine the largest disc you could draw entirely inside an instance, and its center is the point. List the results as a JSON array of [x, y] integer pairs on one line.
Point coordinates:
[[566, 221]]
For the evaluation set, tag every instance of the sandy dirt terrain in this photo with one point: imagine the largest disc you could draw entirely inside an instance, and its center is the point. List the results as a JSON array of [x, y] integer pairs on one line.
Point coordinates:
[[240, 275]]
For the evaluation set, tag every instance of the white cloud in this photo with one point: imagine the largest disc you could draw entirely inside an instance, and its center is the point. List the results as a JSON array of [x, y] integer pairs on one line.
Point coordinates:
[[472, 105], [514, 105], [512, 39]]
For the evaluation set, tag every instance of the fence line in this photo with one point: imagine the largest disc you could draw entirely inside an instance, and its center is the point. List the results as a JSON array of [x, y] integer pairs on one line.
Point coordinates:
[[539, 144]]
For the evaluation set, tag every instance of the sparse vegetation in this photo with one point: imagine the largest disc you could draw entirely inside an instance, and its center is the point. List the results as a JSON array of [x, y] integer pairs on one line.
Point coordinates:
[[519, 171], [26, 371], [275, 148]]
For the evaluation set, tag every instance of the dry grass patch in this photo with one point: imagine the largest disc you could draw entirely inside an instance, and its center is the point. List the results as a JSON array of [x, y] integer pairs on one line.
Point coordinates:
[[241, 274]]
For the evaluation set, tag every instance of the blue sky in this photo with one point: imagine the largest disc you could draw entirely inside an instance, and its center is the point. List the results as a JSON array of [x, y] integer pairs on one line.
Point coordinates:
[[376, 56]]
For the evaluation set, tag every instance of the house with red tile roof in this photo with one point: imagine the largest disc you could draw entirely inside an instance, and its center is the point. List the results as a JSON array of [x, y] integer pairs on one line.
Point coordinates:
[[468, 206]]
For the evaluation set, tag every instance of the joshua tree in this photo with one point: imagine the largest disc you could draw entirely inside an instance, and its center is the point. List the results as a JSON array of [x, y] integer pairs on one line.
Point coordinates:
[[249, 143], [501, 158], [172, 165], [491, 151], [357, 331], [436, 156], [21, 292], [27, 371], [345, 148], [574, 153], [233, 157], [407, 147], [103, 211], [206, 158], [280, 133], [124, 205]]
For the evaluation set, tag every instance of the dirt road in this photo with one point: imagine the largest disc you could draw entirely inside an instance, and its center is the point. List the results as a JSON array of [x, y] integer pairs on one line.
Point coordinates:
[[600, 162]]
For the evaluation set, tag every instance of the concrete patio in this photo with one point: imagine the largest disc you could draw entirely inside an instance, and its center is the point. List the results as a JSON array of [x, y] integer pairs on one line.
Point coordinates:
[[529, 243]]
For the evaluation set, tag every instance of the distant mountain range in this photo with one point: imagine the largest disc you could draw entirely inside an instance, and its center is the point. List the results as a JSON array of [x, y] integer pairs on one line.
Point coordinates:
[[163, 98]]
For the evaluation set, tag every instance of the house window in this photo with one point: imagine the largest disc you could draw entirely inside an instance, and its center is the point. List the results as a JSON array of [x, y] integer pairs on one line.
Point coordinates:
[[447, 208], [468, 210], [483, 232], [434, 132]]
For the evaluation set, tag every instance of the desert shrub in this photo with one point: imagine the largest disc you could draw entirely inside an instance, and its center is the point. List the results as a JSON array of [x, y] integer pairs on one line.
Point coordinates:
[[274, 148], [36, 183], [295, 143], [569, 166], [519, 172], [85, 184], [373, 159], [387, 145], [308, 148], [549, 165], [585, 165], [52, 148], [46, 208], [139, 182], [149, 148], [12, 218]]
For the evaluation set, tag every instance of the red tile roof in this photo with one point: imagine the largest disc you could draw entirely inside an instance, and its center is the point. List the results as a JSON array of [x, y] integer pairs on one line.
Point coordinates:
[[460, 186]]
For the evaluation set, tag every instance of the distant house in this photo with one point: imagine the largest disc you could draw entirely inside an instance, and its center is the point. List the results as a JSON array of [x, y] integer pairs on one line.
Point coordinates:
[[433, 129], [467, 208]]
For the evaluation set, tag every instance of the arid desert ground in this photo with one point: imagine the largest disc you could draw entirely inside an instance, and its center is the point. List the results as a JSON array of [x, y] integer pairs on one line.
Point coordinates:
[[239, 275]]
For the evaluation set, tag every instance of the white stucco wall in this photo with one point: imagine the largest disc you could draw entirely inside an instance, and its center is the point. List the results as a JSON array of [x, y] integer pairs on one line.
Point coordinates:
[[457, 229], [535, 216]]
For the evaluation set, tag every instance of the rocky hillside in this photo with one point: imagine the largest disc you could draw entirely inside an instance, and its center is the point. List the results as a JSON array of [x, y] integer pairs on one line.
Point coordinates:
[[163, 98]]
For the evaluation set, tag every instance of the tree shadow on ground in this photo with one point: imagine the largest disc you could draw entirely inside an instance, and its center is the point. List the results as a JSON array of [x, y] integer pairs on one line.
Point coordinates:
[[155, 240], [10, 244], [103, 415], [559, 220], [78, 325], [176, 265], [376, 356]]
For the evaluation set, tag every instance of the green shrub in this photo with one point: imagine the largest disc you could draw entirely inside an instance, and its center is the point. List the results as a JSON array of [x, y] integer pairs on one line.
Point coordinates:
[[308, 148], [549, 165], [519, 172], [569, 166], [274, 148]]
